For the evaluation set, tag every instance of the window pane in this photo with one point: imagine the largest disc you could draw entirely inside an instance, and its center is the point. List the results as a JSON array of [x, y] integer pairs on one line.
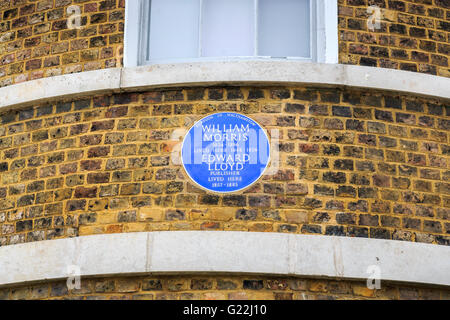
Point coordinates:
[[174, 29], [228, 28], [283, 28]]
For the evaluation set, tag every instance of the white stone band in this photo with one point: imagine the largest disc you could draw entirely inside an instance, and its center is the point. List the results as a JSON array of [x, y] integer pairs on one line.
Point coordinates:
[[225, 252], [232, 72]]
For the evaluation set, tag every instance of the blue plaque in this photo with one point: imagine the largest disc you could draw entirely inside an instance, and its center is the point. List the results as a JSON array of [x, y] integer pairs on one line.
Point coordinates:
[[225, 152]]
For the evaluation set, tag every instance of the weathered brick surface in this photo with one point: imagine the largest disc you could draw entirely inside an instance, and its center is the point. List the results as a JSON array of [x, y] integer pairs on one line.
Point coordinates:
[[413, 35], [36, 42], [357, 164], [36, 39], [220, 287]]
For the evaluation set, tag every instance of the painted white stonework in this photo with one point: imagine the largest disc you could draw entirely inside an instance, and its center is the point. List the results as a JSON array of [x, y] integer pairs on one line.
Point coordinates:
[[70, 85], [232, 72], [227, 252]]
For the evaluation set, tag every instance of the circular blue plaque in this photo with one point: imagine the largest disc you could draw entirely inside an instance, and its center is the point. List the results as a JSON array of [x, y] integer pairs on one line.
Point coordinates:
[[225, 152]]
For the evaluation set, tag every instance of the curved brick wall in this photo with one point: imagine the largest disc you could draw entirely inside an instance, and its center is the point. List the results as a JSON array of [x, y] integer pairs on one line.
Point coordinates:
[[220, 287], [353, 163], [413, 35], [36, 42]]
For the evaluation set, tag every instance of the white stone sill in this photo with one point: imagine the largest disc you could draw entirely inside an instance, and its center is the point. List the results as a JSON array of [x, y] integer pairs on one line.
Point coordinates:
[[232, 72], [225, 252]]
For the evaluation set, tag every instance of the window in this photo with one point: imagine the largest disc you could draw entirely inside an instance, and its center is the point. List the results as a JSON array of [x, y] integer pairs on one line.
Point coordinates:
[[159, 31]]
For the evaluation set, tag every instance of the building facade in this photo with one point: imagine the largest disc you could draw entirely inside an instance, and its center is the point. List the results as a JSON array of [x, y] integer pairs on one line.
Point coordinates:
[[95, 202]]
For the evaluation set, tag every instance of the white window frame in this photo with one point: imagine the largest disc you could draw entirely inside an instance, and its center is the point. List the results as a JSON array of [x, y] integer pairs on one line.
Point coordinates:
[[324, 35]]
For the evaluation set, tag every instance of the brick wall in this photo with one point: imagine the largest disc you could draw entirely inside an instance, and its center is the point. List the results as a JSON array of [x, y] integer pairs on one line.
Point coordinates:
[[414, 35], [353, 163], [220, 287], [36, 41], [359, 164]]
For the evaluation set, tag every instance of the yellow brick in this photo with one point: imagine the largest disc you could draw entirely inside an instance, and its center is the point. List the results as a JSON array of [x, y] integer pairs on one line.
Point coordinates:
[[185, 226], [106, 218], [127, 285], [222, 214], [261, 227], [242, 295], [388, 15], [443, 72], [159, 226], [177, 284], [98, 205], [295, 216], [151, 214], [88, 230], [361, 290], [235, 226], [318, 286], [134, 227], [214, 296], [114, 228], [200, 214]]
